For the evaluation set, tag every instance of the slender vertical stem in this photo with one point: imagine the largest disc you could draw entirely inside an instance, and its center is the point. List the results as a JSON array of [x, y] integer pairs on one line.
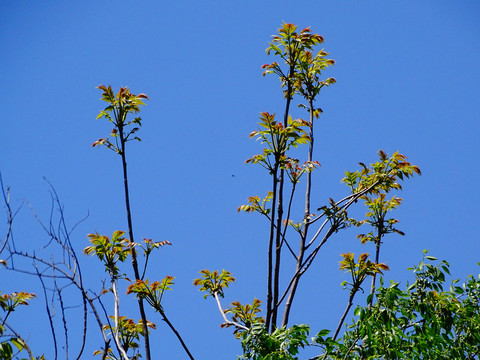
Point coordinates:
[[117, 320], [105, 349], [130, 234], [303, 237], [347, 309], [342, 319], [309, 173], [377, 259], [287, 218], [47, 308], [164, 318], [278, 249], [278, 234], [6, 201], [270, 249]]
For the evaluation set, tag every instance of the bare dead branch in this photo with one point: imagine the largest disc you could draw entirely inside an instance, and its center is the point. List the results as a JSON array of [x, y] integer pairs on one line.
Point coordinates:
[[64, 320], [10, 214], [47, 309], [66, 270]]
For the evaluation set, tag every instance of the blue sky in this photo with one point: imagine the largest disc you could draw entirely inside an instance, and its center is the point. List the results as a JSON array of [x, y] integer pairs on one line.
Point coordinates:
[[407, 79]]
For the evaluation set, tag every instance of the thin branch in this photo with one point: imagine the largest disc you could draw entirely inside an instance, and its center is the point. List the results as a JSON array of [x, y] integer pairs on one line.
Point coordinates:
[[301, 270], [10, 214], [284, 240], [278, 243], [68, 269], [308, 261], [116, 318], [179, 337], [228, 322], [270, 248], [64, 320], [17, 335], [145, 265], [355, 196], [108, 322], [351, 199], [347, 309], [292, 288], [377, 259], [84, 335], [146, 335], [52, 327], [105, 349]]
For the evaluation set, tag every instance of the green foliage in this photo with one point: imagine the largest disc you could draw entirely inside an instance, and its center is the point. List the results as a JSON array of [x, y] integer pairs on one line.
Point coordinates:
[[7, 352], [129, 333], [293, 48], [282, 344], [213, 282], [8, 302], [110, 251], [420, 322], [14, 344], [375, 217], [151, 245], [120, 106], [278, 139], [309, 70], [360, 270], [254, 204], [152, 293], [385, 173], [245, 315], [380, 178]]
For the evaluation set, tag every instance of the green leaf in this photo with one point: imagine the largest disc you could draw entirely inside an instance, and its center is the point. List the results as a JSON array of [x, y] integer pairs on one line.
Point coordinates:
[[19, 343], [323, 332], [6, 351]]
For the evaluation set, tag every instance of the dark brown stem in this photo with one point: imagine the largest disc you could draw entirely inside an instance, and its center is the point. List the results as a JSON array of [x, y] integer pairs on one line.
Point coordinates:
[[270, 249], [177, 334], [347, 309], [47, 308], [303, 237], [130, 234], [6, 201], [278, 250], [289, 210], [278, 235], [377, 259], [64, 320], [105, 349]]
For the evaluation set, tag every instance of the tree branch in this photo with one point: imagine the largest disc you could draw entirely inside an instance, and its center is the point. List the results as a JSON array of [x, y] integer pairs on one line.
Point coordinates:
[[228, 322]]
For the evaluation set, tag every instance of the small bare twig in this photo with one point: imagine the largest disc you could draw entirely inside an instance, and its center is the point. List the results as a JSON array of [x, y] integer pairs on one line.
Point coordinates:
[[10, 214]]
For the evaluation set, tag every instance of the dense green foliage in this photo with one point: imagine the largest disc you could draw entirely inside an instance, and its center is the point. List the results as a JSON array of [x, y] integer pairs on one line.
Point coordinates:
[[421, 321]]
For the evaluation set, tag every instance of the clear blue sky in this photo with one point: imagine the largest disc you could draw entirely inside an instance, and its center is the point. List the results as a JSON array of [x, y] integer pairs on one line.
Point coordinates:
[[407, 79]]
